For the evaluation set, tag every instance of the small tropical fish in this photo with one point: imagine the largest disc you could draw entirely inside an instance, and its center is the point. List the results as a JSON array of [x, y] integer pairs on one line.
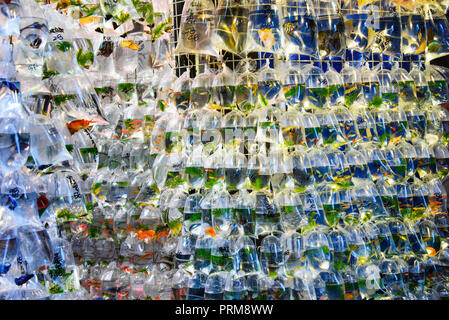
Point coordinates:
[[78, 125], [62, 4], [214, 106], [210, 231], [162, 234], [362, 260], [23, 279], [90, 20], [126, 268], [431, 251], [349, 296], [129, 44], [12, 203], [145, 234], [267, 37], [42, 202], [204, 16], [106, 49], [4, 268], [145, 256]]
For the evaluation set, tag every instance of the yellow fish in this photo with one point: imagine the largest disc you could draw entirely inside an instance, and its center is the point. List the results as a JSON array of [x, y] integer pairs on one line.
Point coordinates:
[[129, 44], [90, 20], [214, 106], [362, 260], [267, 37], [421, 48], [431, 251]]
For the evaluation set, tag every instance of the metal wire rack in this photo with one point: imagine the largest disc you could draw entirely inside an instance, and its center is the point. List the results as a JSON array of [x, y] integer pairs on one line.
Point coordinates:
[[197, 63]]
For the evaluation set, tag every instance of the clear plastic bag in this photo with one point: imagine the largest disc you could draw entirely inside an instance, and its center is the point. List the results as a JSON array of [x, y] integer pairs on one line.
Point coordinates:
[[9, 18], [414, 40], [293, 84], [15, 141], [201, 92], [299, 28], [224, 85], [352, 78], [264, 28], [76, 96], [388, 35], [11, 99], [358, 31], [269, 87], [126, 53], [197, 27], [437, 36], [47, 144], [232, 25], [331, 37]]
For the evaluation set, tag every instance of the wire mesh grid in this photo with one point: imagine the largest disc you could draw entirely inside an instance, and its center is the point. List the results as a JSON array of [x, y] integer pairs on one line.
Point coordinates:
[[197, 63]]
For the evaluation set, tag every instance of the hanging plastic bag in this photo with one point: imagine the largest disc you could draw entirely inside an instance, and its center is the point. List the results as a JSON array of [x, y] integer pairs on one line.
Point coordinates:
[[67, 202], [299, 28], [160, 54], [78, 99], [201, 92], [264, 29], [9, 18], [291, 129], [47, 145], [437, 81], [232, 25], [197, 27], [181, 93], [388, 35], [15, 141], [269, 87], [302, 172], [358, 22], [10, 99], [369, 202], [351, 77], [331, 37], [312, 130], [404, 86], [335, 87], [330, 129], [414, 40], [125, 55], [437, 36], [246, 91], [293, 84], [421, 85], [104, 56], [223, 87], [320, 166]]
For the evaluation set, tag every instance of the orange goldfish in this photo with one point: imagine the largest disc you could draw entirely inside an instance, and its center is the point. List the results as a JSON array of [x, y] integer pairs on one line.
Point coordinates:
[[78, 125], [145, 234], [162, 234], [210, 231], [431, 251], [145, 256]]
